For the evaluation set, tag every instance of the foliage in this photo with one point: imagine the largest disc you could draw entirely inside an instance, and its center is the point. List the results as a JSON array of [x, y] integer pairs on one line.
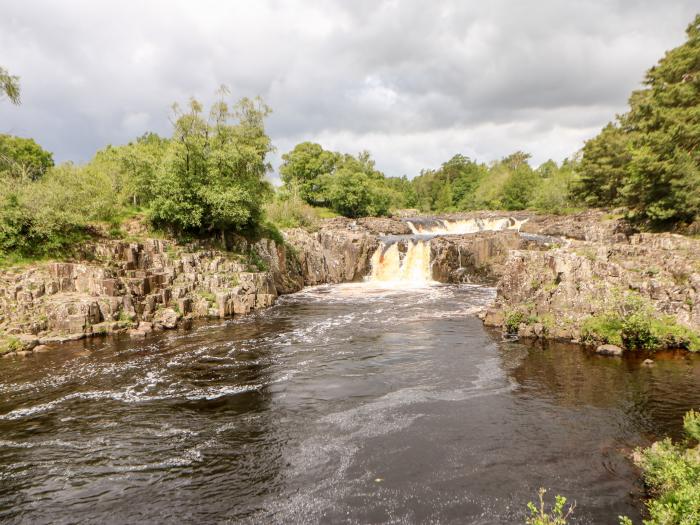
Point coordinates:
[[555, 192], [356, 189], [132, 168], [512, 321], [212, 175], [511, 183], [9, 344], [451, 187], [558, 515], [288, 210], [9, 86], [649, 160], [304, 166], [632, 322], [348, 185], [44, 217], [22, 158], [603, 167], [672, 473]]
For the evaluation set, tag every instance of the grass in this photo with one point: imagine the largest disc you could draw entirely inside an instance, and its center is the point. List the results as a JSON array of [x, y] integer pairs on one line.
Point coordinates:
[[15, 260], [290, 211], [210, 297], [633, 323], [9, 344]]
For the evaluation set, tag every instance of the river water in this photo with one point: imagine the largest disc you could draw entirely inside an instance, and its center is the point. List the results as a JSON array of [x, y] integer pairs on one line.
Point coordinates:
[[341, 404]]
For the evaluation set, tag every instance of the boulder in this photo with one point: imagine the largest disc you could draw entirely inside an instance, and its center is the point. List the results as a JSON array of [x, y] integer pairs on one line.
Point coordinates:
[[609, 350], [166, 318]]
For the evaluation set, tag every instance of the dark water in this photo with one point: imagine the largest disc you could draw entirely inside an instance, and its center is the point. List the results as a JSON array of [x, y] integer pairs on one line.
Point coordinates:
[[339, 405]]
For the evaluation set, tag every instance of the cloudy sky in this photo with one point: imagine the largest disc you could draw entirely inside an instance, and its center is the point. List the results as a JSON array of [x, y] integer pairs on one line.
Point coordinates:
[[414, 82]]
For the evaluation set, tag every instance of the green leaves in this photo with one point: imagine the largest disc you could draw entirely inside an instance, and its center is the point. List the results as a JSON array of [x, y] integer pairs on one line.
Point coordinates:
[[672, 473], [212, 174], [22, 158], [9, 86], [558, 515], [649, 161]]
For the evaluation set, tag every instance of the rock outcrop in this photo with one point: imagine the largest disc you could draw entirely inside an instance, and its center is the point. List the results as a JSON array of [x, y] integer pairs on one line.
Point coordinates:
[[567, 284], [472, 258], [554, 274], [156, 284]]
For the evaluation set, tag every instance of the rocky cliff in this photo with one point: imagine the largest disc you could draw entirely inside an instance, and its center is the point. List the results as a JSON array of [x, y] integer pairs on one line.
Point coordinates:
[[552, 293], [551, 276], [138, 287]]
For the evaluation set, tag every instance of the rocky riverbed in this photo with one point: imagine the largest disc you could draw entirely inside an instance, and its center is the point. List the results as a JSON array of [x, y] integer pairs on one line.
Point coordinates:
[[554, 271]]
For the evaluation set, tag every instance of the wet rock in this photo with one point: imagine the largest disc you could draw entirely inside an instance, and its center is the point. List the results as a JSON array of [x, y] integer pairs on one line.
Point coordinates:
[[28, 342], [166, 318], [609, 350], [475, 258], [648, 362], [494, 317]]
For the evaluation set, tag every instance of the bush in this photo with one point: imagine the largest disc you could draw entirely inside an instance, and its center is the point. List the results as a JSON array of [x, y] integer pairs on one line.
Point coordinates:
[[513, 318], [557, 516], [633, 323], [671, 472], [48, 216], [288, 210]]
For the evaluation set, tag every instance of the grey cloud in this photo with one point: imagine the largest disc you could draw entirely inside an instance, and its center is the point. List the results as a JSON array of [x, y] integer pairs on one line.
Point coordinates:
[[414, 82]]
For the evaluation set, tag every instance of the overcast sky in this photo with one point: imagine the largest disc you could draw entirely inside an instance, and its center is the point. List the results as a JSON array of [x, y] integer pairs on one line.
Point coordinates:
[[413, 82]]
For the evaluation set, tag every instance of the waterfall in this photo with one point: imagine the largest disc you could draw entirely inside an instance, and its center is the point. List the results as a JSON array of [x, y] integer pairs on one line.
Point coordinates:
[[405, 262], [410, 269], [462, 226]]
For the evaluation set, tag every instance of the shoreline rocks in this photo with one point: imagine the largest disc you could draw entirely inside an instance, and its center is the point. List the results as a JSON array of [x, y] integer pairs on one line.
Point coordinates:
[[137, 288], [550, 277]]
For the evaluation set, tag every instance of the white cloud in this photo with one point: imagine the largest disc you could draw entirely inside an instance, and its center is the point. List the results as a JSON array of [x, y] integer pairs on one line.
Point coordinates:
[[413, 82]]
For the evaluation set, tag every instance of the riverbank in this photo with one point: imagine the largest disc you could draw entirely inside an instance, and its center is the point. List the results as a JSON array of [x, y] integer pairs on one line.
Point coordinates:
[[556, 277]]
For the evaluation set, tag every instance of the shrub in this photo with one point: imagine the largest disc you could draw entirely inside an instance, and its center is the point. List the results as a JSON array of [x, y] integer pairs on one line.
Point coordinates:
[[558, 515], [671, 472], [288, 210], [633, 323], [513, 318]]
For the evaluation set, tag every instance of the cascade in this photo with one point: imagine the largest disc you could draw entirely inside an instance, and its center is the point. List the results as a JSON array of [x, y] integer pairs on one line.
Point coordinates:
[[406, 262], [409, 269], [462, 226]]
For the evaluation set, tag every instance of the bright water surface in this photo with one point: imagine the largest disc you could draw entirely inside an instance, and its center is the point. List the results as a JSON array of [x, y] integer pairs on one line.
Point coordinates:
[[341, 404]]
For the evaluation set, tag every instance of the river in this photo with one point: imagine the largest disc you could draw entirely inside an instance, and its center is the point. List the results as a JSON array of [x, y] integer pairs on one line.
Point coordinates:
[[340, 404]]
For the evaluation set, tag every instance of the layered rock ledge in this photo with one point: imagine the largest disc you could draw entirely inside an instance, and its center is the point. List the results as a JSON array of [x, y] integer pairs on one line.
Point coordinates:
[[139, 287]]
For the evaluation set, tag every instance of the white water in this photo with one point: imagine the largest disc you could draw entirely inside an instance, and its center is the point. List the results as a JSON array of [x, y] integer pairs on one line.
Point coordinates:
[[409, 270], [460, 227]]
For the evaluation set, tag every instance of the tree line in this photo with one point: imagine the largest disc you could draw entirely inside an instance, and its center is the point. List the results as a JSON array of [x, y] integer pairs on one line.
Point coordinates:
[[210, 175]]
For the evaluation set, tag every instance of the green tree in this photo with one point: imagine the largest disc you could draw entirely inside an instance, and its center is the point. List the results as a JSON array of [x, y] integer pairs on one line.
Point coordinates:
[[213, 174], [604, 167], [521, 183], [356, 188], [650, 160], [555, 192], [132, 167], [451, 187], [9, 86], [23, 158], [304, 166]]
